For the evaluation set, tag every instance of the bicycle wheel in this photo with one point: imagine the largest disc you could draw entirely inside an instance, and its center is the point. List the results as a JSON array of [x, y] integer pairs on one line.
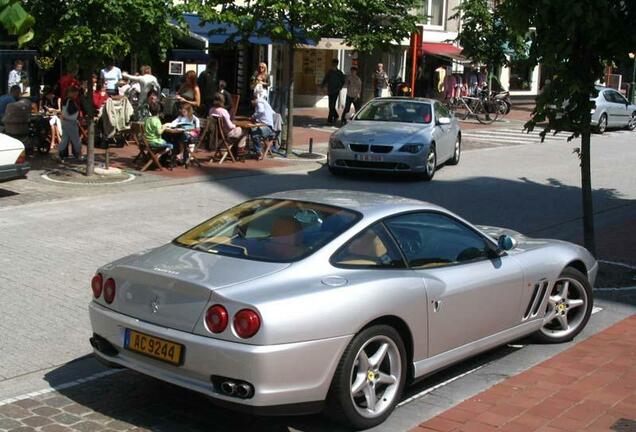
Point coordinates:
[[486, 112], [502, 107]]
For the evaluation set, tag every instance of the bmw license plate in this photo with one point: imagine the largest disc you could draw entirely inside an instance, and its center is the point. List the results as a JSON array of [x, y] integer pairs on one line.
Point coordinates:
[[151, 346], [368, 157]]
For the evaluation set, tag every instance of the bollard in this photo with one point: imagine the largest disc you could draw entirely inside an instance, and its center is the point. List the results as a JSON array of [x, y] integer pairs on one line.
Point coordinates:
[[311, 145]]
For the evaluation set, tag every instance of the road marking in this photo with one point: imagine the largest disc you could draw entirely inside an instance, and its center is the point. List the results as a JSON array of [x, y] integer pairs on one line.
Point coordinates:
[[596, 309], [442, 384], [63, 386], [620, 264]]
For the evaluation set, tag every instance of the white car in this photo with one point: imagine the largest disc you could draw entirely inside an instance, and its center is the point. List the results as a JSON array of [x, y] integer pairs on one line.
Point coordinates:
[[13, 163]]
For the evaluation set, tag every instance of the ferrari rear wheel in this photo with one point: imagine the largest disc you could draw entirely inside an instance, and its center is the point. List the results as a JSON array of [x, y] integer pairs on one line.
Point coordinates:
[[569, 307], [369, 379]]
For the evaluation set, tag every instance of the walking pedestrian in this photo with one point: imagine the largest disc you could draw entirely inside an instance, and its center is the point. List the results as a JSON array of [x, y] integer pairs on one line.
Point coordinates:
[[333, 81], [353, 83], [380, 80]]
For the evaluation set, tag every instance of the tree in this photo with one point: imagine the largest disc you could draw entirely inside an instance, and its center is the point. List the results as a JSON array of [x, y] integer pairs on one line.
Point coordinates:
[[363, 24], [576, 41], [16, 21], [486, 37], [93, 33]]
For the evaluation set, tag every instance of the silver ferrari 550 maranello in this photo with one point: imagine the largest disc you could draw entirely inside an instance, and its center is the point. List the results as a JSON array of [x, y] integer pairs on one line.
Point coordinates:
[[398, 135], [314, 300]]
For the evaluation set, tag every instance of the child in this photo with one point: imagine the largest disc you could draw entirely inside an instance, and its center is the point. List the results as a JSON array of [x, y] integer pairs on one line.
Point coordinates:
[[70, 126]]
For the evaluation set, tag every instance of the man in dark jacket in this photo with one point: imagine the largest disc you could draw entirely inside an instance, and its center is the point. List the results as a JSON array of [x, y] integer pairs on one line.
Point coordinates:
[[334, 80], [209, 84]]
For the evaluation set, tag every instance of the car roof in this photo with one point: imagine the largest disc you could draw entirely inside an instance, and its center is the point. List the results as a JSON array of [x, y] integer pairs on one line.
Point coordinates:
[[366, 203]]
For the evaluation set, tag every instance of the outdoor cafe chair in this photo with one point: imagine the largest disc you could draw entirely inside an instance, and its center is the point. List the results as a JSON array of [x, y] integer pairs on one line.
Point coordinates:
[[146, 154], [235, 104], [224, 146]]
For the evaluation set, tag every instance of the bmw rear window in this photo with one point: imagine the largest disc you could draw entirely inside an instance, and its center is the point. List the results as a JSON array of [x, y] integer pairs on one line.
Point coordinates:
[[270, 230]]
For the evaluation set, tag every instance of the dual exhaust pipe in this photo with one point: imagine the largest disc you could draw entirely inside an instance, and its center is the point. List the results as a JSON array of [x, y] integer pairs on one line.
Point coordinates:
[[239, 389]]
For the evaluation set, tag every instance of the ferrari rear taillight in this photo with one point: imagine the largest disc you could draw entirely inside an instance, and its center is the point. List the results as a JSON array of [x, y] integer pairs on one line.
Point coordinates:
[[21, 159], [216, 318], [246, 323], [109, 290], [96, 285]]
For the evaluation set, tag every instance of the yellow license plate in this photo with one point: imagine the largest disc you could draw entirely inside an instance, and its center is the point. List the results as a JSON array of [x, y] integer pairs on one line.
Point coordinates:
[[154, 347]]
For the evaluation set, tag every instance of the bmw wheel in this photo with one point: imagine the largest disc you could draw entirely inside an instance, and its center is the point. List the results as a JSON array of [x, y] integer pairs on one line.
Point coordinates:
[[602, 124], [369, 379], [430, 164], [457, 152], [568, 309]]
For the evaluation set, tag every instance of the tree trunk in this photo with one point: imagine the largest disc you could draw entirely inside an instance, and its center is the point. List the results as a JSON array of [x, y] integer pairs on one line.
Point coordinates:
[[586, 192], [290, 100]]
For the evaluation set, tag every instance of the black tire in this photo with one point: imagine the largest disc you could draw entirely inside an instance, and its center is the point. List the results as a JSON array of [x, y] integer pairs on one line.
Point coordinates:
[[632, 124], [429, 171], [340, 405], [543, 335], [457, 152], [602, 124], [486, 112], [335, 171]]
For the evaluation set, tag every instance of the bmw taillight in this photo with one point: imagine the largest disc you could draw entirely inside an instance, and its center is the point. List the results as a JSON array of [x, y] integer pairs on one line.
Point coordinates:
[[109, 290], [21, 159], [246, 323], [216, 318], [96, 285]]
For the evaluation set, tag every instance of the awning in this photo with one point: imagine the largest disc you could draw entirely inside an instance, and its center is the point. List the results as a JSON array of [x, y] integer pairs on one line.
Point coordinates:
[[445, 50], [219, 33]]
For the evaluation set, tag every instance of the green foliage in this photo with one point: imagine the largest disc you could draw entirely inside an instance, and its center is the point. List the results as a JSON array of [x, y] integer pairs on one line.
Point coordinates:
[[363, 24], [485, 36], [93, 32], [575, 41], [16, 21]]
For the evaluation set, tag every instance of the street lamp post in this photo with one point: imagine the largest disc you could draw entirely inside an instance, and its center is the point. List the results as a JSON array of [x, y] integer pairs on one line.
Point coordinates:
[[632, 92]]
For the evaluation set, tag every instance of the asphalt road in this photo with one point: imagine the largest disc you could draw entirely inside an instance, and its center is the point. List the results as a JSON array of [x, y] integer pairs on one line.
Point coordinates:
[[51, 249]]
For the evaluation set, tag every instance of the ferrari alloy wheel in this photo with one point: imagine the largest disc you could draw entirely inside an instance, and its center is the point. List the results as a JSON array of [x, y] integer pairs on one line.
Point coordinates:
[[457, 152], [370, 377], [568, 308]]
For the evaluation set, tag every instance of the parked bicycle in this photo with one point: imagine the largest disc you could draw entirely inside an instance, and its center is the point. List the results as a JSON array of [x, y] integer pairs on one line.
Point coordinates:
[[485, 109]]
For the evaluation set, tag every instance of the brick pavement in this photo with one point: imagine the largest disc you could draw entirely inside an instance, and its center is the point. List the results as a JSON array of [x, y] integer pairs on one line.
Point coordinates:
[[589, 387]]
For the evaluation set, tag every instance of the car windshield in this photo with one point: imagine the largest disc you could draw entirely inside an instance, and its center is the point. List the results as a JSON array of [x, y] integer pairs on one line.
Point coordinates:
[[270, 230], [396, 111]]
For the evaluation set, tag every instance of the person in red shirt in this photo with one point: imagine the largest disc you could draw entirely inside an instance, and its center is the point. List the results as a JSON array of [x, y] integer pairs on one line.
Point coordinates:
[[101, 95], [66, 81]]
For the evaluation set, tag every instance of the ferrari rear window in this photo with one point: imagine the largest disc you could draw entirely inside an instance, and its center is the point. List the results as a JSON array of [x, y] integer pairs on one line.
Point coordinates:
[[270, 230]]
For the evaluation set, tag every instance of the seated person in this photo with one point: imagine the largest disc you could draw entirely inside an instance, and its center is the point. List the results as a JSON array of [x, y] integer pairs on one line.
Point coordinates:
[[264, 114], [14, 95], [231, 131], [153, 129], [226, 95], [143, 110], [100, 96], [188, 124], [51, 107]]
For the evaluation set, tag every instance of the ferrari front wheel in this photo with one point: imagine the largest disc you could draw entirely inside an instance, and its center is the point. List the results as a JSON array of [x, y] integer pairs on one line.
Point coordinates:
[[369, 379], [568, 308]]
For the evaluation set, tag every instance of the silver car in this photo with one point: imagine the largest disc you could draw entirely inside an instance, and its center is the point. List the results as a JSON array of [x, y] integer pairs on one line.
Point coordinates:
[[397, 135], [314, 300], [612, 110]]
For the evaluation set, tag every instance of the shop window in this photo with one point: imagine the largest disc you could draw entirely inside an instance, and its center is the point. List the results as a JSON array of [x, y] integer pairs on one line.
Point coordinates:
[[521, 75], [432, 12]]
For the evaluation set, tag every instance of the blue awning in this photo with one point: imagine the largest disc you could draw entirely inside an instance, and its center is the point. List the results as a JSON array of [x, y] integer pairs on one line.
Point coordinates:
[[220, 33]]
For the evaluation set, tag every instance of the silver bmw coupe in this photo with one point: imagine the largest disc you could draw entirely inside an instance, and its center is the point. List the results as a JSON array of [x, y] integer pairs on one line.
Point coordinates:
[[322, 300], [398, 135]]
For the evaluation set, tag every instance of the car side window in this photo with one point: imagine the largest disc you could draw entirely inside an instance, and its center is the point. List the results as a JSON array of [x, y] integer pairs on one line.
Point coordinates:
[[618, 98], [430, 239], [607, 95], [371, 248], [441, 111]]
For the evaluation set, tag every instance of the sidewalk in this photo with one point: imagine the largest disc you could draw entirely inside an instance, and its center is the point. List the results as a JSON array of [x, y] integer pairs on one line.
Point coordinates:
[[589, 387]]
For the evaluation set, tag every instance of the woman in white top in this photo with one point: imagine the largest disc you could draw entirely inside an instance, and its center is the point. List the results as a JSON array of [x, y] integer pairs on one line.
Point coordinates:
[[185, 129]]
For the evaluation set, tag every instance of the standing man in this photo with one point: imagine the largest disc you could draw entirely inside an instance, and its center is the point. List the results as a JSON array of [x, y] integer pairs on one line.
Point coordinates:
[[209, 84], [333, 81], [146, 80], [111, 75], [15, 76], [353, 83], [380, 80]]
